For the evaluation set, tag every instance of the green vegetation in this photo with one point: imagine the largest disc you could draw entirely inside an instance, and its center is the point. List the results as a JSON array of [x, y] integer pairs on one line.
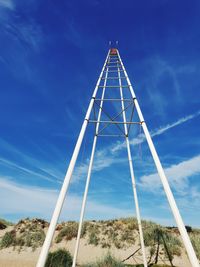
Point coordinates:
[[93, 239], [84, 229], [33, 239], [8, 240], [27, 233], [118, 233], [59, 258], [160, 240], [108, 261], [195, 238], [68, 232], [93, 234], [104, 244]]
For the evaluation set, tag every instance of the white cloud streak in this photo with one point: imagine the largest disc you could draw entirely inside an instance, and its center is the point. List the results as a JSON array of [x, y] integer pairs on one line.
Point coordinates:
[[104, 158], [107, 157], [178, 175], [141, 138], [49, 177], [31, 165], [35, 201], [174, 124]]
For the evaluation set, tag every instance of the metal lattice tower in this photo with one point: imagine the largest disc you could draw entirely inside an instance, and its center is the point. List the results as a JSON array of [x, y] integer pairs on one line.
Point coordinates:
[[114, 78]]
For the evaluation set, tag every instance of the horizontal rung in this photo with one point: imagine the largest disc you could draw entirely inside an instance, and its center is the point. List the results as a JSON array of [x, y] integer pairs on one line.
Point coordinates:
[[113, 86], [115, 122], [111, 135], [116, 65], [113, 58], [113, 66], [108, 62], [113, 70], [113, 99], [116, 60], [113, 78]]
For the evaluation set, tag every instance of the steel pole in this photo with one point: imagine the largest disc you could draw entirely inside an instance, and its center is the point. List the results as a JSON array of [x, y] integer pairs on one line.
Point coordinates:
[[59, 204], [132, 176], [185, 237], [89, 176]]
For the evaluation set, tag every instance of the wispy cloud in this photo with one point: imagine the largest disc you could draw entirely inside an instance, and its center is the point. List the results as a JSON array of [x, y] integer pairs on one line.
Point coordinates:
[[27, 34], [49, 177], [35, 201], [32, 166], [24, 32], [103, 159], [73, 35], [141, 138], [106, 157], [174, 124], [23, 37], [7, 4], [178, 175], [155, 83]]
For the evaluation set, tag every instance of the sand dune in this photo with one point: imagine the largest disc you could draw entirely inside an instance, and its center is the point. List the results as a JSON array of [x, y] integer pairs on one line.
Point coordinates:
[[27, 257]]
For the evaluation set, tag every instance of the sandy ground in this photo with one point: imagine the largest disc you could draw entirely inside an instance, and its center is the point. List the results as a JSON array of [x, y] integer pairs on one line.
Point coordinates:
[[87, 253], [11, 258]]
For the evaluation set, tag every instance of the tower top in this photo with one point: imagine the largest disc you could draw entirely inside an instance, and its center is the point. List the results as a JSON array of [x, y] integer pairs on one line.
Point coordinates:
[[113, 51]]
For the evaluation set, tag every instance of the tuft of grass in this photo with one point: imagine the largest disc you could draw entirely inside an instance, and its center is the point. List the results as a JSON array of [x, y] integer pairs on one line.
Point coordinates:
[[27, 239], [92, 227], [195, 239], [69, 231], [59, 258], [108, 261], [128, 236], [84, 229], [34, 239], [27, 233], [93, 239], [118, 244], [8, 240], [105, 244]]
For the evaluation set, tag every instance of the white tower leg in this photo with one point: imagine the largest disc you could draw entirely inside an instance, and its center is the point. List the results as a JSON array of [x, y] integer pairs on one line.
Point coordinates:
[[59, 204], [88, 176], [186, 240], [132, 175]]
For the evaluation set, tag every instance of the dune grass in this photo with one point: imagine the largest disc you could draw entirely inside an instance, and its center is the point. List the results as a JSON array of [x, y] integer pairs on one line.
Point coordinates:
[[59, 258], [27, 233], [108, 261]]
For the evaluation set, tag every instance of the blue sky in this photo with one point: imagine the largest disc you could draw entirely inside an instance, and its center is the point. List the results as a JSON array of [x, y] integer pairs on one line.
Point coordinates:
[[51, 54]]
